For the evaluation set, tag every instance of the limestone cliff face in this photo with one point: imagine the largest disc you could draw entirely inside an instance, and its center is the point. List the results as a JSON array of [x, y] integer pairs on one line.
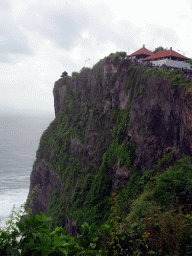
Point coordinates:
[[160, 121], [160, 117], [47, 180]]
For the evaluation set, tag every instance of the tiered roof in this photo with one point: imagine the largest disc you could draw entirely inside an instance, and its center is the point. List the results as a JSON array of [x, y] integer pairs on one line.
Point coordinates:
[[141, 53], [147, 55]]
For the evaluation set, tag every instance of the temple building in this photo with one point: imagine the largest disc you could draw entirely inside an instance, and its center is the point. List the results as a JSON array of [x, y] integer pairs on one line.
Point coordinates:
[[169, 58], [140, 54]]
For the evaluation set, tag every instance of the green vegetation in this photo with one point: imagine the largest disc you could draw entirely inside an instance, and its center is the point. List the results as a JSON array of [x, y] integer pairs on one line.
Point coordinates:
[[86, 147], [159, 49], [175, 78], [136, 75], [120, 149], [190, 61], [135, 78], [113, 57], [87, 181], [86, 185], [162, 210]]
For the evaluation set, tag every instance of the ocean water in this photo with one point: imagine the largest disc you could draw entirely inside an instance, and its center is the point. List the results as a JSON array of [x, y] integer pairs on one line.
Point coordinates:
[[19, 140]]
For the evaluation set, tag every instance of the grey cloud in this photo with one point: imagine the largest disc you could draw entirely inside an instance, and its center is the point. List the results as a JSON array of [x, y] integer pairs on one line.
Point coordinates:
[[65, 25], [162, 33], [5, 5], [5, 58], [12, 39]]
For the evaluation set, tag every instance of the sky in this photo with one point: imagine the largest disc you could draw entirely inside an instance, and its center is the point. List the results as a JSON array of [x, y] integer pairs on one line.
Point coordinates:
[[41, 39]]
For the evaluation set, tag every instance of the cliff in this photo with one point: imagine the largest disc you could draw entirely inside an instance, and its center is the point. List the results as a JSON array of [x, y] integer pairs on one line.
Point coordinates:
[[113, 123]]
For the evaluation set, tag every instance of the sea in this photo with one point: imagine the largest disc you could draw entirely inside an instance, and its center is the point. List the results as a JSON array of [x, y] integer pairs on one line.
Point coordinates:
[[20, 134]]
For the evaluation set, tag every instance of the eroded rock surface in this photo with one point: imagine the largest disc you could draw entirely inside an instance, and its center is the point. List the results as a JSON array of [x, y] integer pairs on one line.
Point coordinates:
[[160, 121]]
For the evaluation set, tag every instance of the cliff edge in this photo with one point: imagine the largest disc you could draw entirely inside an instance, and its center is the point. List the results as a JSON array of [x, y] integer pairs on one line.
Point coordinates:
[[113, 122]]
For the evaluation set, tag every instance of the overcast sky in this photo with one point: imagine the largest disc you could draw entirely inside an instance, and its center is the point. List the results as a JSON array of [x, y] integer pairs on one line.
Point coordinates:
[[41, 39]]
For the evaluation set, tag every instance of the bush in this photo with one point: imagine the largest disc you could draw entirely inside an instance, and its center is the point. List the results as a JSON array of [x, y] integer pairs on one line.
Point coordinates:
[[157, 233]]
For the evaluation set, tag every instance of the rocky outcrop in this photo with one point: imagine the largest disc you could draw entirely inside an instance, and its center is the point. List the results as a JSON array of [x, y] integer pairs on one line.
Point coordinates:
[[160, 121], [47, 180]]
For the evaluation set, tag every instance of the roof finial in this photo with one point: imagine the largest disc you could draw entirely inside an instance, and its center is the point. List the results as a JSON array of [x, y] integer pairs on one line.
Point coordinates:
[[143, 46]]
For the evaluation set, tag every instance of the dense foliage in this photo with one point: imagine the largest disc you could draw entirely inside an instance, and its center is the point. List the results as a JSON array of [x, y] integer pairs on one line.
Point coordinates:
[[159, 222], [159, 49]]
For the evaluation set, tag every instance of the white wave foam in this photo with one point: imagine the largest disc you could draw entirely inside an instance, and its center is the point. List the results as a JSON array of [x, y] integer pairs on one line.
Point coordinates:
[[8, 200]]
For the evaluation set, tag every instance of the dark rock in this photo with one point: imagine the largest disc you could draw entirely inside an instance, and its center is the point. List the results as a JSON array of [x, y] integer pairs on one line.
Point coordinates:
[[160, 121]]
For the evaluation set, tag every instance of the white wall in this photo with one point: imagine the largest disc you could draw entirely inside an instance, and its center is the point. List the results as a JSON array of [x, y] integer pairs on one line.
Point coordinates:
[[171, 63]]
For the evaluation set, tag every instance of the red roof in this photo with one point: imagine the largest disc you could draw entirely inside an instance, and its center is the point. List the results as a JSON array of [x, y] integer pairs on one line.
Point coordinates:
[[142, 51], [165, 54]]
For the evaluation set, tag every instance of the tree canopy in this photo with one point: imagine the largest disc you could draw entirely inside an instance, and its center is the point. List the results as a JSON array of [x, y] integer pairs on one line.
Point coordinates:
[[159, 49]]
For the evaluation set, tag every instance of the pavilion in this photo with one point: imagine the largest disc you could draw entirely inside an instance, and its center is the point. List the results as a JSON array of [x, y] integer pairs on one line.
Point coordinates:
[[140, 54], [168, 58]]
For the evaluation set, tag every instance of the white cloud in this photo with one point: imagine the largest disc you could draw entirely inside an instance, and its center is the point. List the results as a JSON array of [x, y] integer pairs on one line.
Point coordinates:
[[39, 40]]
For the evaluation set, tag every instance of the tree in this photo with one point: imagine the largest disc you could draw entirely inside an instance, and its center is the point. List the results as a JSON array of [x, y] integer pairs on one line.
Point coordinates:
[[189, 61], [159, 49]]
